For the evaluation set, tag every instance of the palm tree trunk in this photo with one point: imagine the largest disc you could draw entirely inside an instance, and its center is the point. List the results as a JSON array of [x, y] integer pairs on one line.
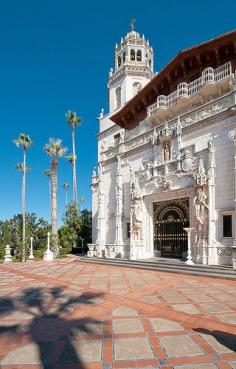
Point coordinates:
[[74, 168], [50, 195], [54, 197], [66, 198], [23, 205], [54, 208]]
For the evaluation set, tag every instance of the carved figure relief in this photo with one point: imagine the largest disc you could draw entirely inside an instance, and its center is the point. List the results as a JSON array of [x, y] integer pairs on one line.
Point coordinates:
[[135, 191], [136, 220], [200, 174], [166, 151], [200, 203]]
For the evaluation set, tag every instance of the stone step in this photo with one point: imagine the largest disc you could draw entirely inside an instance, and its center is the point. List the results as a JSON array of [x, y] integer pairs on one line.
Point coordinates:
[[169, 267]]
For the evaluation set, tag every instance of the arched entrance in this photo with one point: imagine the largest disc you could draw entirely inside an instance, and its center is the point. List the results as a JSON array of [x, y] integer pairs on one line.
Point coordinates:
[[170, 217]]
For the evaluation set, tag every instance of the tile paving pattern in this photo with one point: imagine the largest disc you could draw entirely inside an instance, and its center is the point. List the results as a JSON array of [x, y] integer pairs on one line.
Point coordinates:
[[71, 315]]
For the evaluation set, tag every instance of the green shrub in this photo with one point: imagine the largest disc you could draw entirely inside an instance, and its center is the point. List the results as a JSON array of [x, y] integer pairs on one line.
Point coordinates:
[[64, 251], [39, 253]]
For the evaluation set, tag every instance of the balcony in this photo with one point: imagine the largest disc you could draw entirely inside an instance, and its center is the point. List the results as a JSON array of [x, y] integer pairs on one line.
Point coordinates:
[[212, 83]]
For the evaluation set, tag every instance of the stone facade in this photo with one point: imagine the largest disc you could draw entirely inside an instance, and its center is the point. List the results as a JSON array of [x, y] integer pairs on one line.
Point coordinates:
[[184, 150]]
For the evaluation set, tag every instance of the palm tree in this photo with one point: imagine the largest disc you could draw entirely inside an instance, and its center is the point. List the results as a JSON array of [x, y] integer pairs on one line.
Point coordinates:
[[25, 142], [47, 172], [73, 120], [66, 186], [55, 150], [81, 201]]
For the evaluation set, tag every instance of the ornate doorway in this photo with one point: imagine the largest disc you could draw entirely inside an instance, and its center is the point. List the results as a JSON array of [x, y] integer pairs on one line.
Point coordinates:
[[170, 217]]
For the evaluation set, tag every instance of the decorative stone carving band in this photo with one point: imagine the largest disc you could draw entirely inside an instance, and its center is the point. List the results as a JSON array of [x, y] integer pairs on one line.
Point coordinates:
[[224, 251]]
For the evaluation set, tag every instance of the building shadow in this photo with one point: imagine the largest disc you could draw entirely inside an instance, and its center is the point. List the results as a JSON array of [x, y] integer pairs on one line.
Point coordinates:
[[226, 339], [44, 315]]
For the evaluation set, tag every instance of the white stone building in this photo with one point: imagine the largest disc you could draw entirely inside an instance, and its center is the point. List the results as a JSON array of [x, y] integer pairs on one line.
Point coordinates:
[[167, 154]]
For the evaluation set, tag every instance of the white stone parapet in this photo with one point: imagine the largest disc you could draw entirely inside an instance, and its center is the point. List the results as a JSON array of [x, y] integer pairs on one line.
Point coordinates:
[[184, 89]]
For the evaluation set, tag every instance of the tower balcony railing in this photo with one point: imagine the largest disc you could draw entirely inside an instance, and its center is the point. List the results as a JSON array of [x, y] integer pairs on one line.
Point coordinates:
[[186, 90]]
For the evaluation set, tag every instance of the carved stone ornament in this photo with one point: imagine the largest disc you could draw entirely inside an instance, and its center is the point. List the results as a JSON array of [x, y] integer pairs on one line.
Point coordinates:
[[200, 203], [187, 163], [200, 174], [207, 112], [135, 191], [166, 131], [232, 135], [224, 251], [136, 220]]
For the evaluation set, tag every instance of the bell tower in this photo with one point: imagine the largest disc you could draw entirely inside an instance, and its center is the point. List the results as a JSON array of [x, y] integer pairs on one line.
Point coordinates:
[[133, 68]]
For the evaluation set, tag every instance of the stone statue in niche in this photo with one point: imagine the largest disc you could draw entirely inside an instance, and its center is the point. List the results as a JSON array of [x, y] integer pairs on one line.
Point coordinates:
[[166, 151], [147, 172], [200, 203], [154, 138], [136, 220], [135, 191]]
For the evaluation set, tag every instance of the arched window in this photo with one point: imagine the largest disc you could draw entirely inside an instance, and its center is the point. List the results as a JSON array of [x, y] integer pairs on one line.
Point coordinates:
[[132, 54], [118, 97], [119, 61], [124, 57], [136, 88], [139, 55]]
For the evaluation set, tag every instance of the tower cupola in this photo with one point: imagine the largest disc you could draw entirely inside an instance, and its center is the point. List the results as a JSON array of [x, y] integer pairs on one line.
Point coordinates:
[[133, 68]]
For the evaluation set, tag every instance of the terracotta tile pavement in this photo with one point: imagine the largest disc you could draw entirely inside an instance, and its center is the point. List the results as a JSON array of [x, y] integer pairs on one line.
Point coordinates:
[[68, 315]]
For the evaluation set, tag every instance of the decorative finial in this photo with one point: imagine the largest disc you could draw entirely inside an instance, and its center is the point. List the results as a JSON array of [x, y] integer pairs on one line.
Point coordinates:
[[132, 24]]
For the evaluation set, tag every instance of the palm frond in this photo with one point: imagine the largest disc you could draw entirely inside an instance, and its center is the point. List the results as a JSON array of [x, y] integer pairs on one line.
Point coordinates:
[[54, 148], [24, 141], [47, 172], [72, 118], [20, 167], [71, 158]]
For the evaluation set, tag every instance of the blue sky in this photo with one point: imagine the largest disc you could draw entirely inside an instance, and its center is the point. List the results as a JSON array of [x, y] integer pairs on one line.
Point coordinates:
[[55, 55]]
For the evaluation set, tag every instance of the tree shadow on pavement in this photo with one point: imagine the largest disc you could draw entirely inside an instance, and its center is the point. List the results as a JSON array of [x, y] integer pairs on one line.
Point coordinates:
[[45, 320], [226, 339]]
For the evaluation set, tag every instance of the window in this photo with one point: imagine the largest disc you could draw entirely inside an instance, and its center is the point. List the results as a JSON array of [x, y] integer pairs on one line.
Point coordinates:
[[227, 225], [118, 97], [139, 55], [117, 139], [136, 88], [128, 230], [132, 55], [119, 61], [124, 57]]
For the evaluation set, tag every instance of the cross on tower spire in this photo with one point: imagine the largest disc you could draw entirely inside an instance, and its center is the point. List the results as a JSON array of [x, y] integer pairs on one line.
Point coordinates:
[[132, 24]]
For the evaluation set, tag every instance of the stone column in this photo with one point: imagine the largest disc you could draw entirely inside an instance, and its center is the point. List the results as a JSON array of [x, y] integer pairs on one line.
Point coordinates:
[[48, 255], [100, 242], [119, 196], [154, 141], [189, 260], [232, 137], [211, 203], [31, 256], [179, 143]]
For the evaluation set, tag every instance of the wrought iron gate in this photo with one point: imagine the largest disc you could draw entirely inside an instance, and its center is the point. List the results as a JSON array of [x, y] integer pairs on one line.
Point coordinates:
[[170, 217]]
